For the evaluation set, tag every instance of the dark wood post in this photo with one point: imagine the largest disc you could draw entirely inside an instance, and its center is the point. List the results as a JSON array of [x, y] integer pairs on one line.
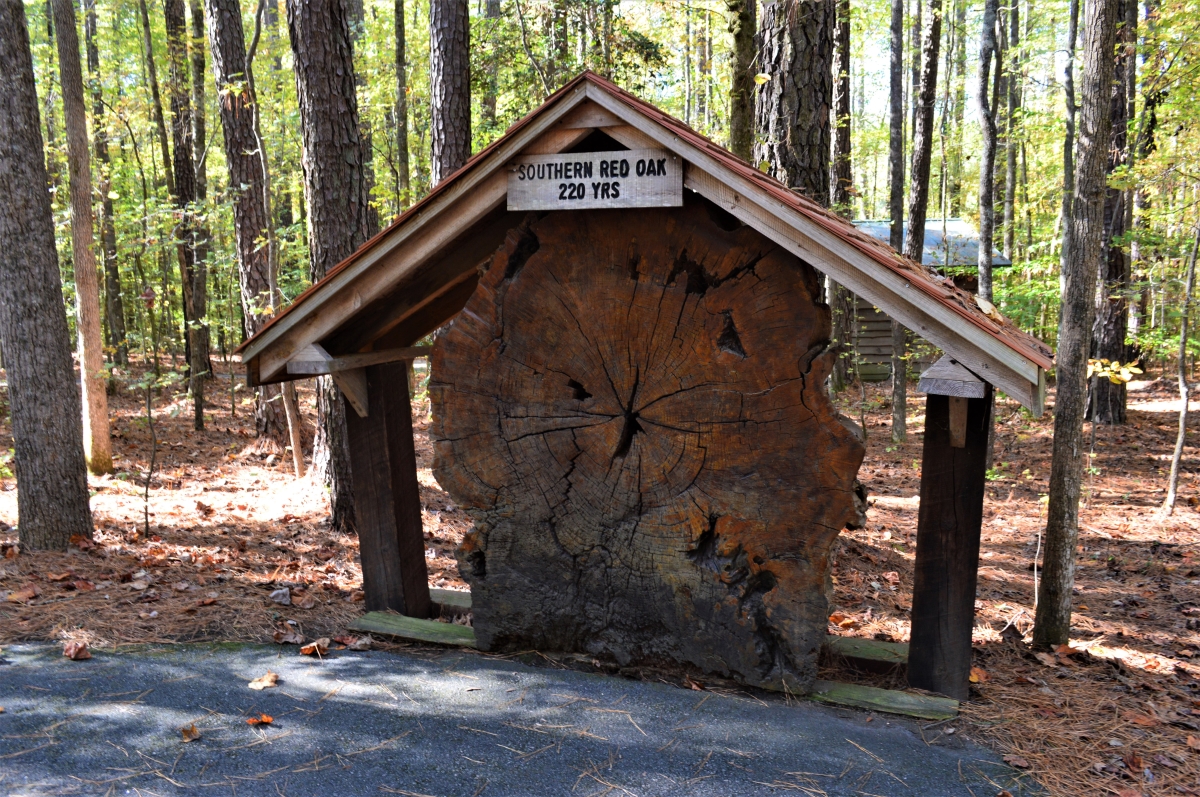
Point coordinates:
[[387, 505], [953, 470]]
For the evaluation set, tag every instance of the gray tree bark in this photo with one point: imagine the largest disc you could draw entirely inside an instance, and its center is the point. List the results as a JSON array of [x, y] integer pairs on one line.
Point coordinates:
[[923, 132], [335, 192], [840, 300], [97, 444], [44, 403], [987, 160], [160, 123], [1112, 300], [792, 109], [1052, 624], [1184, 389], [403, 180], [449, 85], [114, 305], [1068, 200], [896, 208], [741, 17]]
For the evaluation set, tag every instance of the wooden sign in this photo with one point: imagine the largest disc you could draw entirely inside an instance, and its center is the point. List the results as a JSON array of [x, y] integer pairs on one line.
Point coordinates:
[[635, 178]]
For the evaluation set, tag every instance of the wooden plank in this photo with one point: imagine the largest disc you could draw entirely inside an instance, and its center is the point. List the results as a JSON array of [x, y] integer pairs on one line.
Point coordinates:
[[458, 598], [414, 629], [958, 421], [387, 504], [596, 180], [873, 650], [891, 701], [353, 385], [301, 364], [947, 561]]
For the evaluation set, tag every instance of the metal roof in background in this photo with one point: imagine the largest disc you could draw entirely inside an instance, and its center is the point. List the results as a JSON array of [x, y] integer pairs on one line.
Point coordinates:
[[948, 242]]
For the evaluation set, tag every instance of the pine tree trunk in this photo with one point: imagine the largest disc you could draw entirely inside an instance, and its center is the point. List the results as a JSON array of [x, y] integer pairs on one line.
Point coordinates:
[[1068, 201], [52, 163], [1182, 375], [896, 211], [491, 79], [792, 109], [250, 214], [1052, 624], [358, 27], [923, 132], [403, 180], [335, 192], [114, 304], [1014, 126], [741, 17], [955, 182], [97, 445], [44, 403], [840, 300], [202, 370], [1112, 310], [160, 123], [449, 85], [987, 161]]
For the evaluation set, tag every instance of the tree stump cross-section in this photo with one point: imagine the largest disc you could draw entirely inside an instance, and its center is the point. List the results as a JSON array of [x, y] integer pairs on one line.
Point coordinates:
[[632, 409]]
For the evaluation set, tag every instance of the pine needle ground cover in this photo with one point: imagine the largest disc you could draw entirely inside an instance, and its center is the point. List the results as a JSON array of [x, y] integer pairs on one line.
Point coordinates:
[[231, 529]]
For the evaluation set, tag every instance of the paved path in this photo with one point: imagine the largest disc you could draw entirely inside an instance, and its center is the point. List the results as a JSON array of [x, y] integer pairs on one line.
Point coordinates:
[[446, 724]]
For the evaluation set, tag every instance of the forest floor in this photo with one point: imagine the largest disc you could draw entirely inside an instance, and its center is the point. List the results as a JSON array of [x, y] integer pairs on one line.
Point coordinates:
[[1117, 712]]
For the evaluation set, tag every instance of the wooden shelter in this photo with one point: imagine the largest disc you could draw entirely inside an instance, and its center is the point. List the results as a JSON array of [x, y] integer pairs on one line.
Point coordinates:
[[629, 400]]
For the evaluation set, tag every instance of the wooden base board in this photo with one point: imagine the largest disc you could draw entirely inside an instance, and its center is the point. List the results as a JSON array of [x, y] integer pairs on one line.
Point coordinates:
[[870, 698], [883, 655], [454, 598], [414, 629], [891, 701]]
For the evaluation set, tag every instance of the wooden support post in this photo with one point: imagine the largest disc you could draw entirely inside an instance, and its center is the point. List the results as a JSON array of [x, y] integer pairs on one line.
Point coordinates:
[[948, 526], [387, 504]]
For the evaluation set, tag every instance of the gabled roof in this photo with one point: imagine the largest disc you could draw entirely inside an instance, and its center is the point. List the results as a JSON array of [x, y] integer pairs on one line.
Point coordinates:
[[419, 271]]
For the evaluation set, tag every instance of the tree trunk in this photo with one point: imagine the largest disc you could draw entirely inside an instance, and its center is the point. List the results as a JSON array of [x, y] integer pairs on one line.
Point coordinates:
[[741, 15], [449, 85], [184, 167], [960, 105], [114, 304], [403, 180], [1184, 390], [160, 123], [1052, 624], [1068, 201], [52, 165], [987, 161], [792, 109], [1112, 311], [637, 492], [44, 403], [97, 445], [923, 132], [335, 192], [358, 27], [896, 211], [487, 104], [250, 211], [841, 303], [1013, 125], [202, 363]]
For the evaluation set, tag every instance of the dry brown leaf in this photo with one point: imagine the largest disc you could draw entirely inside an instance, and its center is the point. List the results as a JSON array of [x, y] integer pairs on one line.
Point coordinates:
[[1046, 658], [81, 542], [190, 733], [207, 601], [181, 586], [1, 709], [267, 681], [12, 551], [1016, 761], [24, 595], [1133, 761], [288, 638], [139, 584], [83, 585], [1129, 793], [261, 719], [1193, 742], [1066, 650], [316, 648], [978, 675], [76, 651], [307, 602], [1137, 718], [58, 576]]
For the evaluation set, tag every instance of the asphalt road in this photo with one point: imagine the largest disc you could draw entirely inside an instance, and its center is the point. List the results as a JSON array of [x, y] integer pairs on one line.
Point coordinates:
[[443, 724]]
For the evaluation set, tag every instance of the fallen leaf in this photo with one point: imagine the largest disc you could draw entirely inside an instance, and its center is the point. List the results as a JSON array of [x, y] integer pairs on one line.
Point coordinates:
[[11, 551], [1, 709], [978, 675], [261, 719], [307, 602], [1016, 761], [182, 586], [138, 584], [1145, 720], [1193, 742], [147, 615], [316, 648], [203, 508], [353, 642], [24, 595], [190, 733], [1066, 650], [1046, 658], [81, 542], [207, 601], [356, 596], [837, 617], [288, 638], [1133, 761], [1129, 793], [83, 585], [1162, 760], [283, 596], [1005, 793], [267, 681], [76, 651], [57, 576]]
